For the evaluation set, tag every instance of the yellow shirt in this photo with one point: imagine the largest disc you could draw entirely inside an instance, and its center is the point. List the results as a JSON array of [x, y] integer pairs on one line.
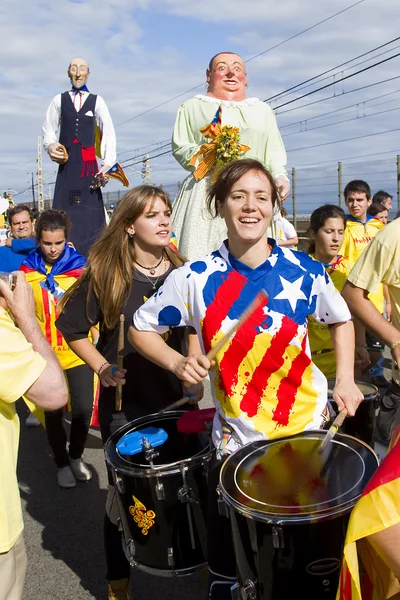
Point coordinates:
[[322, 353], [20, 367], [357, 236], [380, 263]]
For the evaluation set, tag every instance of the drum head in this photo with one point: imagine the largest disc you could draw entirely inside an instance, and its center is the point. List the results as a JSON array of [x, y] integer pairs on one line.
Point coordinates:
[[287, 478]]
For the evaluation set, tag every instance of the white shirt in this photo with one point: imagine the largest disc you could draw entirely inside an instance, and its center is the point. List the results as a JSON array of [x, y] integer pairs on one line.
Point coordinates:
[[103, 119]]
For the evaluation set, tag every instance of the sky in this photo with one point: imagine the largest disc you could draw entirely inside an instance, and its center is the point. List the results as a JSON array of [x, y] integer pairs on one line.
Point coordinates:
[[146, 53]]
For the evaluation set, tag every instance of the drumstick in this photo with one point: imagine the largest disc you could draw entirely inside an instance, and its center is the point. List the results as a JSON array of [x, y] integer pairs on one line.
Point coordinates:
[[246, 314], [175, 404], [332, 431], [120, 362]]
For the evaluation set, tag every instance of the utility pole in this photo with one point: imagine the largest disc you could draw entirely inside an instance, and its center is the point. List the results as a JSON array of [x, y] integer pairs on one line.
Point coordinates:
[[146, 170], [340, 183], [33, 193], [40, 175]]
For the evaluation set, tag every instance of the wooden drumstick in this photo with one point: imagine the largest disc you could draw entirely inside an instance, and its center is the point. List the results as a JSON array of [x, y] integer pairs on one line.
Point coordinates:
[[246, 314], [120, 362]]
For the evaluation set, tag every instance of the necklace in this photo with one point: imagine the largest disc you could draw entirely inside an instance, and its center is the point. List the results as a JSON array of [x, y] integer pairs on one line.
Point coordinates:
[[153, 282], [151, 269]]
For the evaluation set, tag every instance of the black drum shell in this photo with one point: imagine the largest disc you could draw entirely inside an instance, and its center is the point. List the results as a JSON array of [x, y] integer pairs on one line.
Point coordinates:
[[133, 476], [362, 425], [287, 555]]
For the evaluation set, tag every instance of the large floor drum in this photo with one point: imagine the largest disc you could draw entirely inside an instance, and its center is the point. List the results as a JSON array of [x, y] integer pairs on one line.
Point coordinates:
[[289, 508], [163, 502]]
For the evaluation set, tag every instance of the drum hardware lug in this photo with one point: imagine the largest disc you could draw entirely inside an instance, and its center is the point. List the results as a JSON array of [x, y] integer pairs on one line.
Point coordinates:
[[119, 483], [171, 560], [223, 509], [160, 492], [278, 540], [130, 547], [244, 592], [149, 452], [185, 493]]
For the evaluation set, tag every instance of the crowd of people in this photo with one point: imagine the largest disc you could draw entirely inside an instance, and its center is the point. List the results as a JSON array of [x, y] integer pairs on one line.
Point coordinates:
[[326, 314]]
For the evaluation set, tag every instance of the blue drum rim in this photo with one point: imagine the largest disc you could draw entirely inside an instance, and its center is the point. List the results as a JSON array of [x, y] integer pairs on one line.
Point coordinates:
[[282, 518]]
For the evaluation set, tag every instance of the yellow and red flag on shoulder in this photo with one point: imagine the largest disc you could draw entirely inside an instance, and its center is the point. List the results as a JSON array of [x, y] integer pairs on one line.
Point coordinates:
[[117, 172], [364, 575]]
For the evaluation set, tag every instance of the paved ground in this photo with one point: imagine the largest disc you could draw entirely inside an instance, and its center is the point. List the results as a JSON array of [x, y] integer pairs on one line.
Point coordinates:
[[63, 529]]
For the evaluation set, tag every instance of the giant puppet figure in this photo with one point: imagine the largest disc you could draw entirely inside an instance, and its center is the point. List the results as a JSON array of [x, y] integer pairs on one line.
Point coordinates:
[[197, 232], [76, 113]]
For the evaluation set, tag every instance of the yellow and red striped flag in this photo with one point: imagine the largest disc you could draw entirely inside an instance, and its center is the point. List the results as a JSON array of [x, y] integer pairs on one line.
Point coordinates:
[[376, 510]]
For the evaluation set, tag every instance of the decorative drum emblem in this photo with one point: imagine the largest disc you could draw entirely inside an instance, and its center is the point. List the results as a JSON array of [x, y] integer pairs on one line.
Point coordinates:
[[142, 517]]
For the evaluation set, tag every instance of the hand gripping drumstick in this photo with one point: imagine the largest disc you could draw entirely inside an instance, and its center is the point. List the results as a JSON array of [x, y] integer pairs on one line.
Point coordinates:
[[246, 314], [120, 362], [211, 354]]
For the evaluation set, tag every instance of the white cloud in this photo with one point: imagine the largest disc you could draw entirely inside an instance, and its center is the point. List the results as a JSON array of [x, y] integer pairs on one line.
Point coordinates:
[[137, 64]]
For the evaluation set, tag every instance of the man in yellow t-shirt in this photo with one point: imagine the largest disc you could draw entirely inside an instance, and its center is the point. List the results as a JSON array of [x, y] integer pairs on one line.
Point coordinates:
[[27, 366], [380, 263], [360, 230]]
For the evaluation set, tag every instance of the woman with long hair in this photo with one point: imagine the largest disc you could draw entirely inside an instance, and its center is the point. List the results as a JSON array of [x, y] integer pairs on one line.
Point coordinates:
[[326, 232], [126, 265], [263, 382], [51, 270]]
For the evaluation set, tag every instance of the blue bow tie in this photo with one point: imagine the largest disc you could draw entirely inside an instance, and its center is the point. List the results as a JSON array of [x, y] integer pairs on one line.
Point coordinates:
[[79, 90]]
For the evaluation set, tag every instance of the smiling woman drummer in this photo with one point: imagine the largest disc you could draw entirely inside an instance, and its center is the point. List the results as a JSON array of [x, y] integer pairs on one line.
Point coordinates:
[[263, 382]]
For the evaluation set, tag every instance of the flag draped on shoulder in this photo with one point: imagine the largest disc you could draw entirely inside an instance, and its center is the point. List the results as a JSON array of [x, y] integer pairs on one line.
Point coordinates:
[[376, 510], [117, 172]]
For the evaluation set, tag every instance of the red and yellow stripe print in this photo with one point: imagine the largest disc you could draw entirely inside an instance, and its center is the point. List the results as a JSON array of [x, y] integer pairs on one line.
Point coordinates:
[[260, 374], [46, 313]]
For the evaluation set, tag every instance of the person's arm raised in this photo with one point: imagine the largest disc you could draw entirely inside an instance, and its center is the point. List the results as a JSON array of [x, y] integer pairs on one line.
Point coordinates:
[[50, 389]]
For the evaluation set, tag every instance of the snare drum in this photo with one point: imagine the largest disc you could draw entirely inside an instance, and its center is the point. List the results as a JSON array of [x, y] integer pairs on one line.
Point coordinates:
[[362, 425], [289, 511], [162, 494]]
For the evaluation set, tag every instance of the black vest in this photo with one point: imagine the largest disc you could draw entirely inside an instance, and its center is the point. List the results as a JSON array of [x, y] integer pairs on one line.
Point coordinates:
[[76, 124]]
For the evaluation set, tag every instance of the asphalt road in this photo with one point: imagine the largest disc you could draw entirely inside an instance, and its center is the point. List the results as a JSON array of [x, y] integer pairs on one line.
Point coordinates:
[[63, 529]]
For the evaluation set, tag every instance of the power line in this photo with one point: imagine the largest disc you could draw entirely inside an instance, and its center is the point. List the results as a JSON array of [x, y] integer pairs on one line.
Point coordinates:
[[302, 84], [381, 112], [359, 137], [305, 30], [364, 87], [246, 61], [338, 81], [334, 164], [331, 112]]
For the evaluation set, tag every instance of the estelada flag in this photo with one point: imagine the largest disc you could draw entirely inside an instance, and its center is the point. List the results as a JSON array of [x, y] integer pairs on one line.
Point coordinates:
[[117, 172], [376, 510], [213, 129]]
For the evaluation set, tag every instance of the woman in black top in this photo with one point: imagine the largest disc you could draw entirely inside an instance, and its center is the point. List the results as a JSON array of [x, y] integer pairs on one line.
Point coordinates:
[[126, 265]]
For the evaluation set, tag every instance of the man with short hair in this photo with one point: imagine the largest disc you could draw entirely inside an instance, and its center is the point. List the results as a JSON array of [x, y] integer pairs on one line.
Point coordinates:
[[361, 228], [27, 366], [78, 113], [380, 263], [21, 243]]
